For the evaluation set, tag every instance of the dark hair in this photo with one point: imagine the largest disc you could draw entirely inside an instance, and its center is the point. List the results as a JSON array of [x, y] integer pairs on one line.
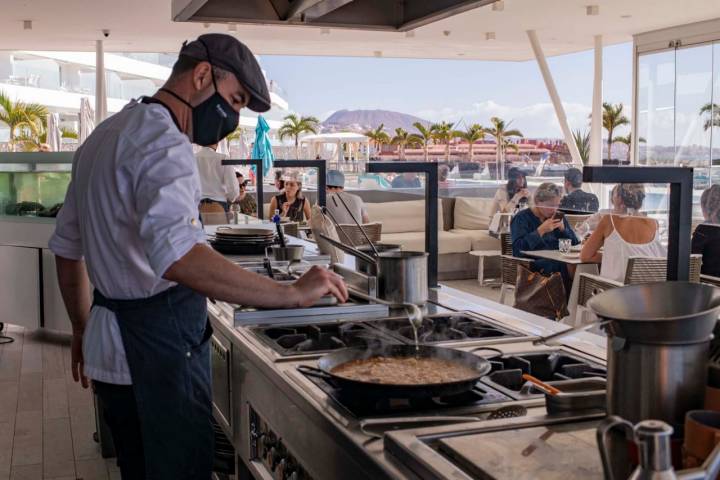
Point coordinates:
[[185, 64], [239, 175], [631, 194], [710, 201], [574, 177], [278, 174], [515, 175]]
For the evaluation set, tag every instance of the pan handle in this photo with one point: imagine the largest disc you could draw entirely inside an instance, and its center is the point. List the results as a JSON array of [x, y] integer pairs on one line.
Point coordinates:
[[315, 372], [350, 250]]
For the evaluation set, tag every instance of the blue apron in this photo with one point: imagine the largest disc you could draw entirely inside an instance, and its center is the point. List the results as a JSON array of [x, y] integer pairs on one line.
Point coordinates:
[[166, 343]]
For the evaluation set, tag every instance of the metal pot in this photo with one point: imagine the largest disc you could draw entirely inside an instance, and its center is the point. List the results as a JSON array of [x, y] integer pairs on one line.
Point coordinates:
[[402, 277], [657, 350], [289, 253], [368, 268]]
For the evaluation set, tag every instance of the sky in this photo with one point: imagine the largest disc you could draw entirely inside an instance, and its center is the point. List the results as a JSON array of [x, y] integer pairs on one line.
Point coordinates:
[[463, 91]]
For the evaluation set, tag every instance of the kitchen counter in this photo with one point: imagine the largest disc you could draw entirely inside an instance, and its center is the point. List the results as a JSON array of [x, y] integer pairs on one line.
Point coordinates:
[[281, 420]]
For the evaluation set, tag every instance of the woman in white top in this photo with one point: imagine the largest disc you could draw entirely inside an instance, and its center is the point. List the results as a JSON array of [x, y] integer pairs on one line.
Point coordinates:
[[509, 196], [623, 235]]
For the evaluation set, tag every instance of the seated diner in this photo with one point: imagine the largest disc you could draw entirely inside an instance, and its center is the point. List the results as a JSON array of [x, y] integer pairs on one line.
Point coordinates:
[[291, 203], [706, 237], [540, 227], [623, 234], [509, 196]]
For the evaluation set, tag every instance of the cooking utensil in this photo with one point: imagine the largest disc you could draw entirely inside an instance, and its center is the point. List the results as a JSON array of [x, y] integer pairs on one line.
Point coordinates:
[[569, 331], [362, 230], [371, 268], [281, 235], [549, 389], [290, 253], [327, 363], [402, 277], [409, 422], [667, 325], [268, 267], [350, 250], [415, 315], [577, 394]]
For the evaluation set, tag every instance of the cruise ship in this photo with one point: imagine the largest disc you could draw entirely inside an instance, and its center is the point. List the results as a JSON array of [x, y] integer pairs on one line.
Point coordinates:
[[59, 79]]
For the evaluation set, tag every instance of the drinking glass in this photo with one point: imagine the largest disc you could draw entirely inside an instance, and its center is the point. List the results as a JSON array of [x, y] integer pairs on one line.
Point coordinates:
[[564, 245]]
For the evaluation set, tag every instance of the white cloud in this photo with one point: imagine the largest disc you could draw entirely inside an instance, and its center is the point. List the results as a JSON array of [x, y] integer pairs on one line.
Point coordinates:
[[536, 121]]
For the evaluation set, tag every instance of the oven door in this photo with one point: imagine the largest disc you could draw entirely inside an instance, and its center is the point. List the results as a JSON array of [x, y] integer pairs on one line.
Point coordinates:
[[220, 350]]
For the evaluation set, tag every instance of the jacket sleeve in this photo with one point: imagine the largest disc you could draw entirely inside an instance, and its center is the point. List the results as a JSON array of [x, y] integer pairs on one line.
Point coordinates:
[[524, 236]]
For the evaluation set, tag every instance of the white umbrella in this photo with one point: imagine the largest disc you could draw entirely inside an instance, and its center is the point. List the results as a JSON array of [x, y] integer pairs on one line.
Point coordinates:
[[86, 117], [53, 132], [223, 147]]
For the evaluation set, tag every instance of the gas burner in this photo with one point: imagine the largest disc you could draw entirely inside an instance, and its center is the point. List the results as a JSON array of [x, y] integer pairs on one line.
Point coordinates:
[[301, 339], [360, 406], [445, 328], [507, 371]]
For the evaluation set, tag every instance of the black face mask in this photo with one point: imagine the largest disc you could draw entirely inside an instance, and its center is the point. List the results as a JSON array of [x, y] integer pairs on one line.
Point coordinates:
[[213, 119]]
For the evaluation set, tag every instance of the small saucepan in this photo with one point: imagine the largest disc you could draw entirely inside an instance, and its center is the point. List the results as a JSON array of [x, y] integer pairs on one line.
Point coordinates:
[[289, 253], [480, 367], [371, 268]]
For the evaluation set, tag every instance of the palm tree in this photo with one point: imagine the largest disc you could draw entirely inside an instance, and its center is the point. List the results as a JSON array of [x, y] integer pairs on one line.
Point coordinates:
[[378, 136], [472, 134], [714, 110], [443, 132], [582, 140], [19, 115], [425, 135], [403, 139], [612, 118], [294, 126], [500, 133], [33, 134]]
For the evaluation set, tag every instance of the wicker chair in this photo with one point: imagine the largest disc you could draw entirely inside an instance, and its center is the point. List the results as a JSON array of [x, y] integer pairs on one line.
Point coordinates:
[[509, 265], [639, 270], [212, 214], [351, 233]]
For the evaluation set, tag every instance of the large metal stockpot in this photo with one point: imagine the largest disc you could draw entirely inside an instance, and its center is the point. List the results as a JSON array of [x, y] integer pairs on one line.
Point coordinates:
[[402, 277], [658, 338]]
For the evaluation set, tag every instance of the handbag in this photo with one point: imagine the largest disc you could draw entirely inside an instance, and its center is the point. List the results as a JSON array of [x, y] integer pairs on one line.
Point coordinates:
[[540, 294]]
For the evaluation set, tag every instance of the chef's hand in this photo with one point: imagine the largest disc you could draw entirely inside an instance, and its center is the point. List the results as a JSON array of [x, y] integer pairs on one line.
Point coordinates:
[[78, 363], [549, 225], [317, 282]]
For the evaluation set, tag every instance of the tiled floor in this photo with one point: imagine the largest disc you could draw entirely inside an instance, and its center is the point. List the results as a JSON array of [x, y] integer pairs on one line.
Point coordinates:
[[46, 419]]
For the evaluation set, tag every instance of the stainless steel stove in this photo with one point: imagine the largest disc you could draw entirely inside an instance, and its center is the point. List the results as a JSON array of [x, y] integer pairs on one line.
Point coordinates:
[[288, 425]]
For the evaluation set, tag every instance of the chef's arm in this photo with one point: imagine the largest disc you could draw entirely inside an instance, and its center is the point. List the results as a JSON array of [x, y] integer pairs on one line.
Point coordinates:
[[75, 290], [209, 273]]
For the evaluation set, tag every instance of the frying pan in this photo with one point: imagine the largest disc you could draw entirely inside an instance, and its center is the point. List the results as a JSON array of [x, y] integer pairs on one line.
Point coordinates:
[[389, 390]]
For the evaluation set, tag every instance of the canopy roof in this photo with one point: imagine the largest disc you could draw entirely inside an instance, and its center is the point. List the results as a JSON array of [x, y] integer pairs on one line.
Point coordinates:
[[563, 26]]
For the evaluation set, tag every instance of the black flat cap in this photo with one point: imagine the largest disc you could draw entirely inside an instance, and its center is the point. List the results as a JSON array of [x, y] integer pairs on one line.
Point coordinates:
[[227, 52]]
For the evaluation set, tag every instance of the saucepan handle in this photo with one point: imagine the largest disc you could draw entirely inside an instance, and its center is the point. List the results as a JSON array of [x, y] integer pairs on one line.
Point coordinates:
[[315, 372], [603, 431]]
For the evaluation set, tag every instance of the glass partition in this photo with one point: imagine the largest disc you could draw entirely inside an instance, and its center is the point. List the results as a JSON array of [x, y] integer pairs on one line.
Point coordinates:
[[33, 184]]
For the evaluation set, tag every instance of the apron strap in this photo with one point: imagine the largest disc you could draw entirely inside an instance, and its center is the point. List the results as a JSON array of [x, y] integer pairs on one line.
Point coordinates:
[[117, 306]]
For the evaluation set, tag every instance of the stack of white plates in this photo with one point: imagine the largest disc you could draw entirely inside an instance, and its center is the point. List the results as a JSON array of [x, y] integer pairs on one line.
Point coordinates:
[[242, 241]]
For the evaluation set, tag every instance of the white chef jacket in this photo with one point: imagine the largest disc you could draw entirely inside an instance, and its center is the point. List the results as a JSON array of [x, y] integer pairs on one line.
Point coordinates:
[[131, 211], [217, 181]]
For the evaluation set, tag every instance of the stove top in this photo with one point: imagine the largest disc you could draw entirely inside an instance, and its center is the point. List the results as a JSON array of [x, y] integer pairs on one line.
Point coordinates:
[[291, 340], [507, 371], [360, 406], [445, 328]]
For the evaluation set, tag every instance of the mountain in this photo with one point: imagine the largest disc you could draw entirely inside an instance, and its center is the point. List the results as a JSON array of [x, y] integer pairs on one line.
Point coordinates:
[[363, 120]]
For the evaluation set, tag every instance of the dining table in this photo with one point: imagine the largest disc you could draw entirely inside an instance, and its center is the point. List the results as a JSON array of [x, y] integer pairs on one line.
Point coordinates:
[[571, 258]]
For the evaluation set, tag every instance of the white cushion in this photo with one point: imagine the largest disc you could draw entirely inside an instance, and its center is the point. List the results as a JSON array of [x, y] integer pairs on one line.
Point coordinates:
[[481, 239], [473, 213], [447, 242], [400, 217]]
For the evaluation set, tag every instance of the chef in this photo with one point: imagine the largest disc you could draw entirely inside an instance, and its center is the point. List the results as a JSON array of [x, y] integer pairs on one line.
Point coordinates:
[[129, 226]]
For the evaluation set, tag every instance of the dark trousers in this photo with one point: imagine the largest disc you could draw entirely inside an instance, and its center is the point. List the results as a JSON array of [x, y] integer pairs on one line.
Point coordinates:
[[120, 411]]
